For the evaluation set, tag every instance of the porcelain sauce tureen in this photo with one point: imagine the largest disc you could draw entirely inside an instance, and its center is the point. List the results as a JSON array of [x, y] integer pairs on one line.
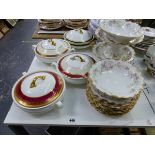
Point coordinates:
[[38, 91], [47, 50], [75, 67]]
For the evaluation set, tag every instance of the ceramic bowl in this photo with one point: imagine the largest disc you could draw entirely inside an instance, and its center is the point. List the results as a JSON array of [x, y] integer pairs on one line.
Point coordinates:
[[75, 67], [39, 91], [121, 31], [48, 50], [149, 57], [107, 50], [116, 80]]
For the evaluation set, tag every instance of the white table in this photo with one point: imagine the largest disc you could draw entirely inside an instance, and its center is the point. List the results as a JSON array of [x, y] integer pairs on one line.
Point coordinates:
[[78, 112]]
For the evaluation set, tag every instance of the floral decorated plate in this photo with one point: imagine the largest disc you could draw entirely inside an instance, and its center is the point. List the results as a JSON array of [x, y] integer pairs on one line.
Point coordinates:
[[116, 78]]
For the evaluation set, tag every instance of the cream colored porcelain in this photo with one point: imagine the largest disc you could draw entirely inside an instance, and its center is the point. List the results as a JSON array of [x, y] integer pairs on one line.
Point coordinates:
[[116, 79], [107, 50], [78, 36], [48, 50], [121, 31]]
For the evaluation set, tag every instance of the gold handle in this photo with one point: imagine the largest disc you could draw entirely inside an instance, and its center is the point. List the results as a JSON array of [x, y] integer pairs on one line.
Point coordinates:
[[52, 42], [77, 56], [80, 31], [33, 83]]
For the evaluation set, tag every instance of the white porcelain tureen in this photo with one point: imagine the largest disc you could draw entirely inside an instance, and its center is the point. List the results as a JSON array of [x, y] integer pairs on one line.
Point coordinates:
[[38, 91], [75, 67], [48, 50]]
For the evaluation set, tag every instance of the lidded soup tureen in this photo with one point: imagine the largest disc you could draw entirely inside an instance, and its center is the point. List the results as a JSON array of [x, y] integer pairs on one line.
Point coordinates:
[[47, 50], [114, 86], [38, 91], [75, 67], [121, 31], [108, 50], [79, 38]]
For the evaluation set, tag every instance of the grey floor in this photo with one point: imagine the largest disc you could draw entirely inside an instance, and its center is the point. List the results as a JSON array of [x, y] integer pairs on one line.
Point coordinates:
[[15, 57]]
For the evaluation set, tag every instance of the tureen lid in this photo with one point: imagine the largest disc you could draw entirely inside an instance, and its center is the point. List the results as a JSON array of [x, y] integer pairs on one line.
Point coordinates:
[[38, 89], [116, 78], [75, 65], [108, 50], [78, 35], [52, 47]]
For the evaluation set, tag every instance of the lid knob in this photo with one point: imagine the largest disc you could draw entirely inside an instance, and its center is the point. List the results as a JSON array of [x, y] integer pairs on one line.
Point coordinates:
[[33, 83]]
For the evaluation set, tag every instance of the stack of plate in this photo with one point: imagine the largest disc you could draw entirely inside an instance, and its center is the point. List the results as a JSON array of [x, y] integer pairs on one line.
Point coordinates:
[[39, 91], [149, 39], [113, 87], [79, 38], [50, 24], [76, 23], [113, 51]]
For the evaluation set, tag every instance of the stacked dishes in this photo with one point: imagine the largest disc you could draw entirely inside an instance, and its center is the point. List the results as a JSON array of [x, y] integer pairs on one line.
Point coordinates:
[[75, 67], [107, 50], [79, 38], [76, 23], [39, 91], [50, 24], [149, 59], [113, 87], [121, 31], [47, 51], [149, 39]]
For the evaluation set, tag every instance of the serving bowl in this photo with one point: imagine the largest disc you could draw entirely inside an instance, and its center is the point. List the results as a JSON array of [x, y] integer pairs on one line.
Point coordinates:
[[121, 31], [108, 50], [74, 67], [48, 51], [39, 91]]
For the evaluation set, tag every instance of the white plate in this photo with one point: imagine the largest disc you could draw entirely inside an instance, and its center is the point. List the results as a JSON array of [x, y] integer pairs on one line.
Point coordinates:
[[105, 50], [116, 78]]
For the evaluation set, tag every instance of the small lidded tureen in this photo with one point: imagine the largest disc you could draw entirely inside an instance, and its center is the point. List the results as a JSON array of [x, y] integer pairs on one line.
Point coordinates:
[[75, 67], [79, 38], [47, 50], [38, 91]]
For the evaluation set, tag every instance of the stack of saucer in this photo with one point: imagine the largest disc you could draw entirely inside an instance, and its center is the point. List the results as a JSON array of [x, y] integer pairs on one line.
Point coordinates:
[[76, 23], [50, 24], [113, 87]]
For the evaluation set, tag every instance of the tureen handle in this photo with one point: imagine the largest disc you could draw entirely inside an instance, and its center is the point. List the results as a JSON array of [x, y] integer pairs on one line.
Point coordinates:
[[59, 104], [34, 47], [33, 83]]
